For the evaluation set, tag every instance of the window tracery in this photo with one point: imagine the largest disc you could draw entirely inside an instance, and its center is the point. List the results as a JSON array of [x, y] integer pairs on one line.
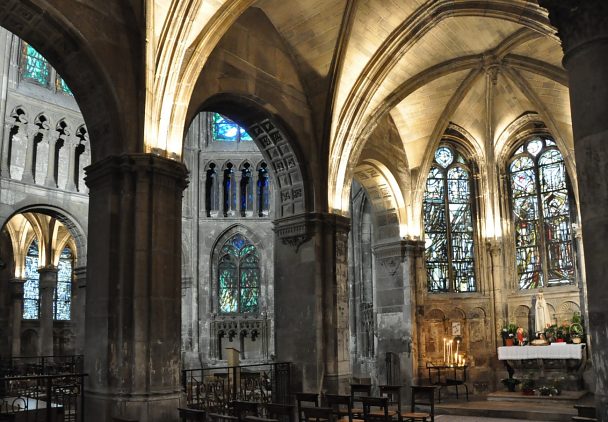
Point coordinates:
[[542, 215], [62, 298], [31, 287], [448, 223], [238, 276]]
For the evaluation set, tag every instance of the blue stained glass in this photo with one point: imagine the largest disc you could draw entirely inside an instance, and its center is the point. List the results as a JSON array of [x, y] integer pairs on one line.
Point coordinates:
[[239, 276], [448, 224], [225, 130], [35, 66], [31, 287], [62, 86], [541, 216], [63, 291]]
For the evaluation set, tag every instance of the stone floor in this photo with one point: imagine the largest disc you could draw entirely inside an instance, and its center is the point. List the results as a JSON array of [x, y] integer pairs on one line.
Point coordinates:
[[458, 418]]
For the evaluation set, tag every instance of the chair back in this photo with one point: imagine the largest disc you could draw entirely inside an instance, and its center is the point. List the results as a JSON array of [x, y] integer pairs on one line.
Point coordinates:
[[341, 405], [359, 390], [317, 414], [375, 409], [241, 409], [393, 393], [188, 415], [306, 400], [282, 412], [424, 396]]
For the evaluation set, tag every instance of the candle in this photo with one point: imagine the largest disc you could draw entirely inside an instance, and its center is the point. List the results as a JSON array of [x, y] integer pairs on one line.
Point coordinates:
[[455, 359], [457, 345], [444, 352]]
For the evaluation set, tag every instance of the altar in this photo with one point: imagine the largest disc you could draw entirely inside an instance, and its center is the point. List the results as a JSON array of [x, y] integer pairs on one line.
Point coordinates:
[[565, 362]]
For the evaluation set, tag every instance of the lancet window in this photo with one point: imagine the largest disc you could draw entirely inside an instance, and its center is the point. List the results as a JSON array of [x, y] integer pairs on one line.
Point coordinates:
[[34, 67], [542, 212], [448, 223], [62, 299], [31, 287], [238, 276]]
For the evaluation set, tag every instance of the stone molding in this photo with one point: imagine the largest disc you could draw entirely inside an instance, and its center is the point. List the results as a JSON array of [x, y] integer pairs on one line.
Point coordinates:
[[391, 254], [172, 171], [578, 22], [296, 230]]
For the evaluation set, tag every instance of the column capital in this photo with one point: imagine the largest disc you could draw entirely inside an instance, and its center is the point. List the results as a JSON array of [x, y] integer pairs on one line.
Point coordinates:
[[398, 248], [298, 229], [16, 287], [153, 165], [578, 22]]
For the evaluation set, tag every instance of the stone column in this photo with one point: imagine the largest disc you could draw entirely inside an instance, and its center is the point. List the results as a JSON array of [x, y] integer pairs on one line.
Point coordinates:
[[395, 307], [311, 296], [51, 180], [48, 283], [583, 28], [79, 295], [133, 303], [16, 285], [33, 139]]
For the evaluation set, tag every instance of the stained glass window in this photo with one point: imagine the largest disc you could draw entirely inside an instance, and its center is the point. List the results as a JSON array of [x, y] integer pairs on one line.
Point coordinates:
[[61, 86], [540, 203], [239, 276], [448, 224], [31, 287], [63, 292], [34, 65], [225, 130]]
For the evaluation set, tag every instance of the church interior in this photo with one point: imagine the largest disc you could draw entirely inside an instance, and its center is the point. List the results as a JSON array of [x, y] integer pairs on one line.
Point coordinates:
[[212, 203]]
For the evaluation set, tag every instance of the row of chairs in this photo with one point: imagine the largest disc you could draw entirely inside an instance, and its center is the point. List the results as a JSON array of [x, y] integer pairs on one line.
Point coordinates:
[[242, 411], [386, 408]]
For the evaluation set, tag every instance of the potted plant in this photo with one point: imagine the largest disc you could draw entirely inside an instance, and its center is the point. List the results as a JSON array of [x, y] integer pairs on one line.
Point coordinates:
[[562, 333], [510, 383], [527, 387], [550, 333], [508, 334], [576, 333]]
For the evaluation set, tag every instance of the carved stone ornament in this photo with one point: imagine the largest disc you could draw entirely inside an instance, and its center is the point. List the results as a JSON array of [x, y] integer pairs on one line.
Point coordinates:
[[293, 231], [578, 21], [390, 265]]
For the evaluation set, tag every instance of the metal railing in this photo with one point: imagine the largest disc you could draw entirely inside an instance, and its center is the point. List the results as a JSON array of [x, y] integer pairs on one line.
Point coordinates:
[[41, 365], [214, 389], [44, 398]]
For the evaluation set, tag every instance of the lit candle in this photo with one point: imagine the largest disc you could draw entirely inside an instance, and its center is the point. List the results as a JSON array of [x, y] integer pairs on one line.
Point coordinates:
[[457, 345], [455, 359], [444, 352]]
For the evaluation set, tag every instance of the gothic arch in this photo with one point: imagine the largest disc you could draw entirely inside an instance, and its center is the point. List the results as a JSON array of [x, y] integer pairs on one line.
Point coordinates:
[[278, 147], [264, 257], [57, 37]]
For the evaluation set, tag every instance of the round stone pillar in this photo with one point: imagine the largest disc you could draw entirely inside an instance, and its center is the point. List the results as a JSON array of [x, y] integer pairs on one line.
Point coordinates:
[[133, 299], [583, 28], [48, 284]]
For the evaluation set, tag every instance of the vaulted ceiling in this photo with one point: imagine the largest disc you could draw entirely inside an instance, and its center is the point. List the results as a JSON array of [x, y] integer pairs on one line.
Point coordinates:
[[475, 64]]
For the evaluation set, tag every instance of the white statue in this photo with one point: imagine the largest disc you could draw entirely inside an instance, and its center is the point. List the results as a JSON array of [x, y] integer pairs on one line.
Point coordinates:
[[542, 317]]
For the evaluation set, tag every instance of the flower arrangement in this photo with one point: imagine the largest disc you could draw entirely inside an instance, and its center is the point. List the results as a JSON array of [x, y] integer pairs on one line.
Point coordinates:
[[510, 383], [568, 331], [508, 334]]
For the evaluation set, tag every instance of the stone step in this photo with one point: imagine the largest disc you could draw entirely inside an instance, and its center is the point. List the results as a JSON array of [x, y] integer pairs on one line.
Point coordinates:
[[509, 409], [566, 398]]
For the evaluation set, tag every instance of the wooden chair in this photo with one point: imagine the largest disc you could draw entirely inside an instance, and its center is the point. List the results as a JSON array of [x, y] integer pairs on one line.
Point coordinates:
[[242, 409], [282, 412], [308, 398], [375, 409], [187, 414], [425, 396], [317, 414], [341, 406], [393, 393], [356, 392]]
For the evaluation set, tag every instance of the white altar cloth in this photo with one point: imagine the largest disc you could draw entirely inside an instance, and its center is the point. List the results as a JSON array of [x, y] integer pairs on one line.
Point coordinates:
[[554, 351]]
